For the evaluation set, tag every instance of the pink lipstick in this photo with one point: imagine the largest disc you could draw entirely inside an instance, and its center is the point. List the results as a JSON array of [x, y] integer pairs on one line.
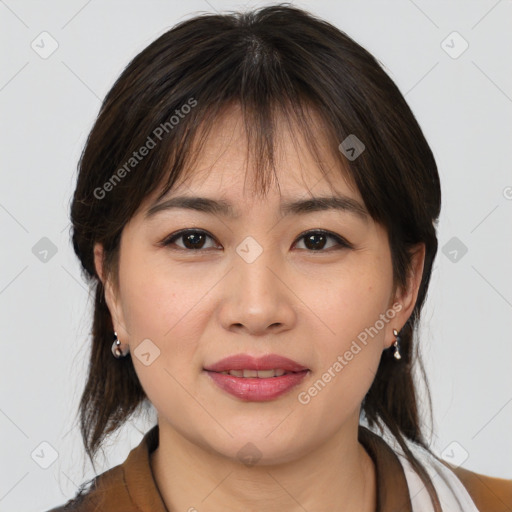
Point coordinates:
[[256, 379]]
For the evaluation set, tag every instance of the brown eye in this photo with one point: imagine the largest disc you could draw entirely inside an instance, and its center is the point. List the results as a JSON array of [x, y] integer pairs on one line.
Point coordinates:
[[193, 239], [316, 240]]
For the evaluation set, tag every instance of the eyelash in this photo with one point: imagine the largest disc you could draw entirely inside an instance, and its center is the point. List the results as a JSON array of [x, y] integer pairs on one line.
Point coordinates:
[[342, 243]]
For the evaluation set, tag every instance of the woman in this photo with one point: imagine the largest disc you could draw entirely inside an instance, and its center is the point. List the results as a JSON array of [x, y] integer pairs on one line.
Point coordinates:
[[256, 208]]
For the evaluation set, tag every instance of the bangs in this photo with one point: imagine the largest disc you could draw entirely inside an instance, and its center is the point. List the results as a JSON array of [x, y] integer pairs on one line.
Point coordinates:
[[263, 130], [269, 78]]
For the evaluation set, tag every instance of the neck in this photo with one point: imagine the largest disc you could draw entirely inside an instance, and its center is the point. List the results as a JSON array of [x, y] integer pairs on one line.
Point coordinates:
[[338, 475]]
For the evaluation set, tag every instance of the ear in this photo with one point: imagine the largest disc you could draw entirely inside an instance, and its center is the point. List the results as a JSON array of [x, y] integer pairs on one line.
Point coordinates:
[[406, 296], [112, 298]]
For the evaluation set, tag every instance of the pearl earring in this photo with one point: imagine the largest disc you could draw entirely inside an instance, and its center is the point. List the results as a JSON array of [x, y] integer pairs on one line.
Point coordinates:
[[117, 350], [397, 345]]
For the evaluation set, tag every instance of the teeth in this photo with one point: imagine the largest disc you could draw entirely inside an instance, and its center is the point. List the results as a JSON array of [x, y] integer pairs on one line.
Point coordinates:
[[260, 374]]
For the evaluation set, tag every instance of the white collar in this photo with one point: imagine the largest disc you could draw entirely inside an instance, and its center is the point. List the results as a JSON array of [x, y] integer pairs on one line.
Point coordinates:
[[452, 494]]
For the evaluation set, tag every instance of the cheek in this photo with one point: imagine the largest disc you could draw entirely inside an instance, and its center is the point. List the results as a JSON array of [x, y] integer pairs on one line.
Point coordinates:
[[351, 309], [353, 302], [166, 307], [167, 311], [156, 299]]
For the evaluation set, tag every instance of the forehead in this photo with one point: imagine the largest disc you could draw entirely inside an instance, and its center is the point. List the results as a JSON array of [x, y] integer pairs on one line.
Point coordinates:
[[225, 161]]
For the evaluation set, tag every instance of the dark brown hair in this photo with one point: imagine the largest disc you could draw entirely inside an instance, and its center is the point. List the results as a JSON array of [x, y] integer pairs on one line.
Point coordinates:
[[275, 61]]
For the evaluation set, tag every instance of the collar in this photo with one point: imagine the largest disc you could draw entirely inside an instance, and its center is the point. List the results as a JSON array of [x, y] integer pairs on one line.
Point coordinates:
[[133, 485], [392, 489]]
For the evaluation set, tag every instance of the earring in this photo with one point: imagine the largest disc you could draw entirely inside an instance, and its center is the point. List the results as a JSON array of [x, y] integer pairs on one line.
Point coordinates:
[[117, 350], [396, 345]]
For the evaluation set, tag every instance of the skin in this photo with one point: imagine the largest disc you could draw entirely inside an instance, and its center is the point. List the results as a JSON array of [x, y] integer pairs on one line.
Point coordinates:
[[198, 307]]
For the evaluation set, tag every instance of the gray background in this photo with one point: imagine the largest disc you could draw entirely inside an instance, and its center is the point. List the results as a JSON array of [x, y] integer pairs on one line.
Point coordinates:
[[48, 105]]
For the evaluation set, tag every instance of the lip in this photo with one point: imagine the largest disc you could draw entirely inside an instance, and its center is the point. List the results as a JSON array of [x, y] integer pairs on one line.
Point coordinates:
[[256, 389], [248, 362]]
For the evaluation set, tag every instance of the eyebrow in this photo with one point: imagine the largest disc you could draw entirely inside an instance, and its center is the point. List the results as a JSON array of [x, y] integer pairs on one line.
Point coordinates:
[[296, 207]]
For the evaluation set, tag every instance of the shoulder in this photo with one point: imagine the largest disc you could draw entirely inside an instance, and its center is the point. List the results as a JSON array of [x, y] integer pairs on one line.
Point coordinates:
[[127, 487], [105, 492], [490, 494]]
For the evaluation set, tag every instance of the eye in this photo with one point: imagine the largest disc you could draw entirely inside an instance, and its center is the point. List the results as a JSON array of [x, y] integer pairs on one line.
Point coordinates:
[[314, 241], [193, 239]]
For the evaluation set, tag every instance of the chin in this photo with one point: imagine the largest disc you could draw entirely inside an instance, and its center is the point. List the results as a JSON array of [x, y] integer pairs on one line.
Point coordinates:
[[259, 449]]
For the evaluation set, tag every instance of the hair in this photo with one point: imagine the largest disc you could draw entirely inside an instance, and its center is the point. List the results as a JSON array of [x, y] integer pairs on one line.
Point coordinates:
[[277, 61]]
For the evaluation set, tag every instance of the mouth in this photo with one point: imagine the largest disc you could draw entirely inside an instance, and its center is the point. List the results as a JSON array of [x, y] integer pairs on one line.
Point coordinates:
[[259, 374], [256, 379]]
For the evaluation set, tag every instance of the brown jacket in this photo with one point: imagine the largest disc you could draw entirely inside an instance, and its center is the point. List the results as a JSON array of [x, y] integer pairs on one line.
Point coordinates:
[[131, 487]]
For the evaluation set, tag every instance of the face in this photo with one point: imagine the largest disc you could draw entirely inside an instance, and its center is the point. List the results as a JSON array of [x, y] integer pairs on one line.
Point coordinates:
[[315, 287]]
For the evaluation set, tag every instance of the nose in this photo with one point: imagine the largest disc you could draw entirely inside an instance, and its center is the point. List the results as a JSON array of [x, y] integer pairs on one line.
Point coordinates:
[[257, 297]]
